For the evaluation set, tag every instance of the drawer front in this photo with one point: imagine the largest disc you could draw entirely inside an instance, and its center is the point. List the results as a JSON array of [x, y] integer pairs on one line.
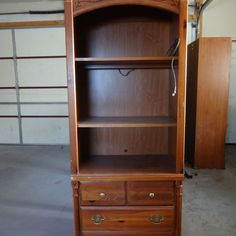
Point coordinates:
[[87, 233], [150, 193], [152, 219], [105, 193]]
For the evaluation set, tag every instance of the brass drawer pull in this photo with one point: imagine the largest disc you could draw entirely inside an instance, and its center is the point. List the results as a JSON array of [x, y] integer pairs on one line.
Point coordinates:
[[156, 219], [102, 195], [97, 219], [152, 195]]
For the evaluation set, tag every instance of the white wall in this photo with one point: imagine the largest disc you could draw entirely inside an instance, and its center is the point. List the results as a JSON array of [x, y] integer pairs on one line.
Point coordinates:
[[190, 31], [231, 132], [219, 20]]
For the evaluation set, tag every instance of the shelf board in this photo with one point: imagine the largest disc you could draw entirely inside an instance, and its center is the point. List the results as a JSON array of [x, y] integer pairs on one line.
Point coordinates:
[[125, 62], [126, 122], [128, 167]]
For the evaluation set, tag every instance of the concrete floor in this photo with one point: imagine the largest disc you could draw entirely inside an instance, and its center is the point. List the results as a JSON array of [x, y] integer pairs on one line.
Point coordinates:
[[35, 194]]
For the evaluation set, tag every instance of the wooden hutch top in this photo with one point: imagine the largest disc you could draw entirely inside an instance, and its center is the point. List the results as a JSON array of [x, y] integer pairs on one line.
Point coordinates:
[[83, 6]]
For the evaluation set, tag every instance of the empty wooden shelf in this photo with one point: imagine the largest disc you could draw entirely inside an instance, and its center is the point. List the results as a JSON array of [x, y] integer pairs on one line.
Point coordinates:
[[128, 122], [126, 80], [127, 165], [127, 62]]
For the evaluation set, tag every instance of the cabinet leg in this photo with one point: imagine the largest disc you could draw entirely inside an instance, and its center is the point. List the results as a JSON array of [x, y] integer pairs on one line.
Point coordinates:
[[75, 188], [179, 193]]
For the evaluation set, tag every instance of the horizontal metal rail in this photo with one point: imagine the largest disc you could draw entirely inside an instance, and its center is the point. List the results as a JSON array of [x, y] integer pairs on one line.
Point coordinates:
[[35, 87], [32, 57], [33, 103], [39, 116]]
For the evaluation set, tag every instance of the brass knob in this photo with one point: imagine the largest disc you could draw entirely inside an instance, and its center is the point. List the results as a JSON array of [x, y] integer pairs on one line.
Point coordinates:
[[152, 195], [156, 219], [102, 195], [97, 219]]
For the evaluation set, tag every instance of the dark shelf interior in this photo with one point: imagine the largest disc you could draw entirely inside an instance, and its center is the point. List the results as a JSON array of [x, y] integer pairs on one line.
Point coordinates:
[[125, 31], [118, 165], [124, 83]]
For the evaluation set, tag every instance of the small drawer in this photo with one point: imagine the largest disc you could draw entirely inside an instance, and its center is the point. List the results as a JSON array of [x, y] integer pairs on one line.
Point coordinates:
[[102, 193], [150, 193], [129, 219]]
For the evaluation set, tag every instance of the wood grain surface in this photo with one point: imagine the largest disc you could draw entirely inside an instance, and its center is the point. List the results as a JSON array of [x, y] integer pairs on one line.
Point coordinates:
[[128, 218], [102, 193], [150, 193]]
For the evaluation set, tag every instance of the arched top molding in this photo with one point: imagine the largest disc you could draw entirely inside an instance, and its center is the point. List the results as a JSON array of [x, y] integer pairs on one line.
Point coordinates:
[[83, 6]]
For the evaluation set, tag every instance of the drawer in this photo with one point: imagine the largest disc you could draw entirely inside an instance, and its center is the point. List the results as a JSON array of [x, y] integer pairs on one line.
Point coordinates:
[[150, 219], [88, 233], [150, 193], [102, 193]]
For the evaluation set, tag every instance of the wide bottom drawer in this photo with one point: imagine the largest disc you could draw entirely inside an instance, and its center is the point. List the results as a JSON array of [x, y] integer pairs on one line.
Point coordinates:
[[149, 219], [125, 234]]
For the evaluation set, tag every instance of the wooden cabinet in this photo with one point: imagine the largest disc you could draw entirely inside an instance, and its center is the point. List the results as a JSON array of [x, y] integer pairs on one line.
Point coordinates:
[[126, 79], [207, 101]]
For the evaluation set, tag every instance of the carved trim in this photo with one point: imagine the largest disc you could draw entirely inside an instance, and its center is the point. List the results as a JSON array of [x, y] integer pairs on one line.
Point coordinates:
[[179, 194], [76, 5], [75, 187], [81, 6]]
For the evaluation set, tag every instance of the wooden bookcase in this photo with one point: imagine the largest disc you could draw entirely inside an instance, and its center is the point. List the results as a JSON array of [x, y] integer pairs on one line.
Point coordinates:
[[126, 127], [207, 101]]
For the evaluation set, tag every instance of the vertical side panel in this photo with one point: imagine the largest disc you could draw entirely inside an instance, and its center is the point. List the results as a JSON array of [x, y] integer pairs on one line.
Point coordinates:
[[192, 78], [181, 86], [178, 214], [75, 189], [71, 85], [212, 101], [69, 21]]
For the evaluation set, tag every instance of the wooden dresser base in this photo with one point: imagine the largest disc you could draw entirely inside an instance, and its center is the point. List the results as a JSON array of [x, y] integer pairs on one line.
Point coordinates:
[[103, 207]]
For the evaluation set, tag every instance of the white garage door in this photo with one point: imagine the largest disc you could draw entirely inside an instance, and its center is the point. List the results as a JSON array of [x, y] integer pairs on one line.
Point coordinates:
[[231, 131], [33, 86]]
